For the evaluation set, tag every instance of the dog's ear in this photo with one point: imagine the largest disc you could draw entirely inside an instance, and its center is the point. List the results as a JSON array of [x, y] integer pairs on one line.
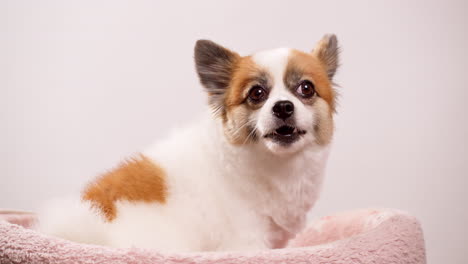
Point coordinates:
[[215, 65], [327, 51]]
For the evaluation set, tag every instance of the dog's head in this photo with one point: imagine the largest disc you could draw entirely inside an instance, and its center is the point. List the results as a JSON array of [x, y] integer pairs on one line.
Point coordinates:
[[280, 98]]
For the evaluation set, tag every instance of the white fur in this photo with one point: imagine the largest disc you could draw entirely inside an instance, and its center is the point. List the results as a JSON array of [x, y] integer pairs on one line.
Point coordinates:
[[223, 196]]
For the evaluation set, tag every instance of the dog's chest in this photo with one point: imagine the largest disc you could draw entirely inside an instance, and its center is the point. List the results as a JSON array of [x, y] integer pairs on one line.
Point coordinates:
[[280, 192]]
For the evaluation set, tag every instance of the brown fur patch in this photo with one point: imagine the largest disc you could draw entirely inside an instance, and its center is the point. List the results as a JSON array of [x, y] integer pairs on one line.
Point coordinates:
[[308, 66], [323, 127], [246, 74], [137, 179], [303, 65]]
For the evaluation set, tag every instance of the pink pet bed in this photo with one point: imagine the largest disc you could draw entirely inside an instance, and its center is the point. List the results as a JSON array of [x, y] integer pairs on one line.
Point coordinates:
[[362, 236]]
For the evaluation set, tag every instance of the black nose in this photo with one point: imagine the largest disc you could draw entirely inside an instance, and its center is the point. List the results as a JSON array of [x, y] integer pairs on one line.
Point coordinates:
[[283, 109]]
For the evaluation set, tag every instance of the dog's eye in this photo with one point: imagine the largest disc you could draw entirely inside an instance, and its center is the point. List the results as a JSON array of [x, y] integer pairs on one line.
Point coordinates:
[[257, 94], [306, 89]]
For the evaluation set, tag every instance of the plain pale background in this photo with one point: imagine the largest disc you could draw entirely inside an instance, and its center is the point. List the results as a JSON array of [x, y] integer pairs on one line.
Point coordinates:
[[87, 83]]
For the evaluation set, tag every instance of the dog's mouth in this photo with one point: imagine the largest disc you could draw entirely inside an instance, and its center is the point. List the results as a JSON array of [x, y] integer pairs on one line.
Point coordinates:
[[285, 134]]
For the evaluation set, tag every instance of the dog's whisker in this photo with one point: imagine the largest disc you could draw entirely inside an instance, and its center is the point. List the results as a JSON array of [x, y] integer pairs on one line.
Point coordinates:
[[248, 122], [254, 130], [217, 110]]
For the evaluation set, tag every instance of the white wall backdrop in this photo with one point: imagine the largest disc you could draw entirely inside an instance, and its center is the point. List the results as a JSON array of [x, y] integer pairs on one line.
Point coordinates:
[[85, 83]]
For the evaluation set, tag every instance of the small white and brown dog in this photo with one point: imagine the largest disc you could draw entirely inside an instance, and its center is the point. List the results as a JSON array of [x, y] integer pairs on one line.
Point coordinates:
[[243, 178]]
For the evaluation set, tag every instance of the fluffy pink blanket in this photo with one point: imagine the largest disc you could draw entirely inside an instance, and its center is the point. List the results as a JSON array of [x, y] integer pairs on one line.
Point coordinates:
[[362, 236]]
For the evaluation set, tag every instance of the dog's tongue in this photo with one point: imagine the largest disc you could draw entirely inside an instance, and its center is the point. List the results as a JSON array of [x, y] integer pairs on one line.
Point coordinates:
[[285, 130]]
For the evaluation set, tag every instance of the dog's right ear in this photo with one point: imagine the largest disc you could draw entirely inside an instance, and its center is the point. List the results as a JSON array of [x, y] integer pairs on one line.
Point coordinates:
[[215, 65]]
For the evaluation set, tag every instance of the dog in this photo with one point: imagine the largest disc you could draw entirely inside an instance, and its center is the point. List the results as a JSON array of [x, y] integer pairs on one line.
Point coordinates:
[[241, 178]]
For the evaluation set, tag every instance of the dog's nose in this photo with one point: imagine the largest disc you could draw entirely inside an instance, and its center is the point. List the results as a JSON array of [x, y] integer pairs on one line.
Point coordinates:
[[283, 109]]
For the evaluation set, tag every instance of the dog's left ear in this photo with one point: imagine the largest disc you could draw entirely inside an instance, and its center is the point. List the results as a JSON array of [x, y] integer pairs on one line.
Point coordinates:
[[327, 51], [215, 65]]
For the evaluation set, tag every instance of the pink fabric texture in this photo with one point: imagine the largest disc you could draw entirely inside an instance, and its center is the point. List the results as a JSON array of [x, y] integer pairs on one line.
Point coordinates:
[[360, 236]]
